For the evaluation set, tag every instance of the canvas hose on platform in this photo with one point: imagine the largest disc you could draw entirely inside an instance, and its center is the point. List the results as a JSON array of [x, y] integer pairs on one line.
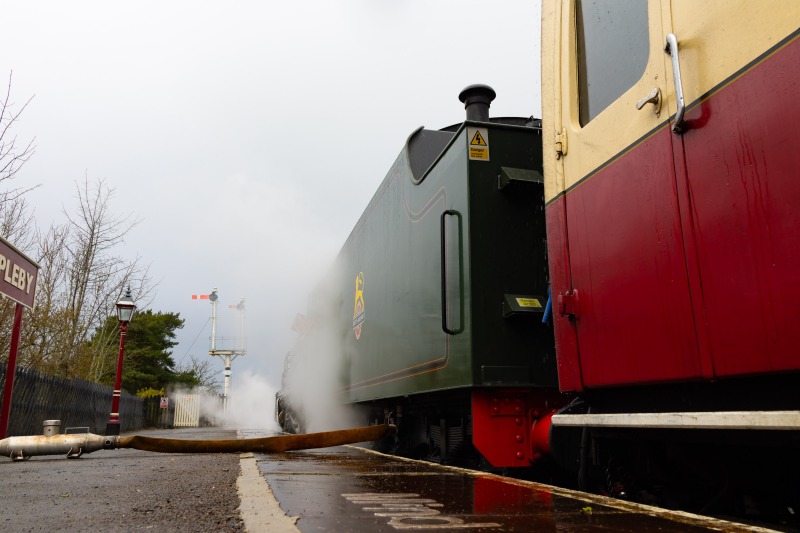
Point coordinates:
[[75, 445]]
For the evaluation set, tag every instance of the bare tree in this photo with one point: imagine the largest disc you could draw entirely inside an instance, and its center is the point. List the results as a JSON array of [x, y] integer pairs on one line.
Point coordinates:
[[81, 274], [203, 371], [80, 279], [16, 221], [12, 155], [45, 324], [94, 278]]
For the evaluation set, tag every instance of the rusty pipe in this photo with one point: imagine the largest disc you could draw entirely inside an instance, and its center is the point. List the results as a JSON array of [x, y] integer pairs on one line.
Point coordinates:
[[75, 445]]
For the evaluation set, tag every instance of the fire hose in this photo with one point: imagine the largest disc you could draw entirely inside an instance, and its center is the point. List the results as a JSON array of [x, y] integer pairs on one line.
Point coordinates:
[[75, 445]]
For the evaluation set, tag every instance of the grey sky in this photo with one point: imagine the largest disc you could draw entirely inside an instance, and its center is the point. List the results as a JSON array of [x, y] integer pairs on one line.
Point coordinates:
[[248, 136]]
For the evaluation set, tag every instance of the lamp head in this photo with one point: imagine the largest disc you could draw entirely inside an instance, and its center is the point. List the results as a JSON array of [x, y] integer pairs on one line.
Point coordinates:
[[126, 307]]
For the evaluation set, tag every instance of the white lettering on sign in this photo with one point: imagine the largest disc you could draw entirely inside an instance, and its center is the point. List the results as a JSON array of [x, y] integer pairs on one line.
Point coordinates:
[[16, 275], [410, 511]]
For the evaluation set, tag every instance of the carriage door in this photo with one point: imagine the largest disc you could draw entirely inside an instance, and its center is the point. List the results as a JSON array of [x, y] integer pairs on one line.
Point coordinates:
[[737, 158], [633, 311]]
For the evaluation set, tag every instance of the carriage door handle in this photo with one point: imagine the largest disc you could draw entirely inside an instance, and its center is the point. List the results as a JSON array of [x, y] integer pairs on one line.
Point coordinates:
[[653, 97], [672, 49]]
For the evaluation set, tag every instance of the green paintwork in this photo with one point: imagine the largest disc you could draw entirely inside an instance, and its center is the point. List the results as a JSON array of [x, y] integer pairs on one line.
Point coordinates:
[[401, 348]]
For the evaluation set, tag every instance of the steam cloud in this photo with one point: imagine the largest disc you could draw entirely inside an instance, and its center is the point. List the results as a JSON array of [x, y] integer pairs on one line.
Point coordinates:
[[251, 404], [317, 368]]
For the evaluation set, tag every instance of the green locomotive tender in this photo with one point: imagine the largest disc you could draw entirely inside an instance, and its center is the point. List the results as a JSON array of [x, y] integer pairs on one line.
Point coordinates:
[[432, 313]]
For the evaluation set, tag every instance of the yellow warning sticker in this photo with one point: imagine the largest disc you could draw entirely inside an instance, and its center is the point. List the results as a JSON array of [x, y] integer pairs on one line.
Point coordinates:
[[479, 153], [529, 302], [477, 140], [478, 143]]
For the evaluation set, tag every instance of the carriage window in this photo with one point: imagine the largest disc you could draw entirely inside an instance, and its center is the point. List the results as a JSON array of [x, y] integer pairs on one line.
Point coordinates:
[[613, 47]]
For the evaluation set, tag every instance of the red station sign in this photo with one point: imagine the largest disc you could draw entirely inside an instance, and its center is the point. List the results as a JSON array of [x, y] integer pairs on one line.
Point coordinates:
[[18, 275]]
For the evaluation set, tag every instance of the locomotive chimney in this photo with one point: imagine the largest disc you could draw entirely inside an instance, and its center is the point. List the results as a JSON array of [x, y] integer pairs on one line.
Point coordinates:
[[477, 99]]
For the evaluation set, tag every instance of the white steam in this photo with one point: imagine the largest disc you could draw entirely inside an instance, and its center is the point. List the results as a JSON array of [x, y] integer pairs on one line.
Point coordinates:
[[315, 375], [251, 404], [318, 368]]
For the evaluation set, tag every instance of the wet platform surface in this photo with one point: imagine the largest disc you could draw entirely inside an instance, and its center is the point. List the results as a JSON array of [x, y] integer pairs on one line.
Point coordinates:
[[349, 489]]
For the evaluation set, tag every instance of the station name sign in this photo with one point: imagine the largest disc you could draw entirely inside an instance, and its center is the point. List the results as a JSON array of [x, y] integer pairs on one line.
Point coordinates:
[[18, 274]]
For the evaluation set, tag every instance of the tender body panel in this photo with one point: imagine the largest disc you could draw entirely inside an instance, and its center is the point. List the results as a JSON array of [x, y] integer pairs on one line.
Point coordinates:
[[476, 225]]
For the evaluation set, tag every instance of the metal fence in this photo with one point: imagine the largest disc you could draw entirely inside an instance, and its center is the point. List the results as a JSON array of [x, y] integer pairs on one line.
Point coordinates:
[[77, 403], [157, 417]]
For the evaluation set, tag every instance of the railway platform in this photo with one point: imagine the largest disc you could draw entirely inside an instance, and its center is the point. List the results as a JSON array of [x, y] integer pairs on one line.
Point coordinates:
[[351, 489], [343, 489]]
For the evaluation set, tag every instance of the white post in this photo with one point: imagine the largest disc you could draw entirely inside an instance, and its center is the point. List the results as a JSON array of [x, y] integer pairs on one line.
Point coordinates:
[[242, 347], [213, 299], [227, 380]]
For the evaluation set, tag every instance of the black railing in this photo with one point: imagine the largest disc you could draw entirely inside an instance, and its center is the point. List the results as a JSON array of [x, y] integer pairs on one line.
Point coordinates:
[[156, 417], [77, 403]]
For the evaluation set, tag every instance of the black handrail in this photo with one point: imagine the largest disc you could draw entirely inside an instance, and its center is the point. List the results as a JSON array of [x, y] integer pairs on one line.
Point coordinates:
[[445, 328]]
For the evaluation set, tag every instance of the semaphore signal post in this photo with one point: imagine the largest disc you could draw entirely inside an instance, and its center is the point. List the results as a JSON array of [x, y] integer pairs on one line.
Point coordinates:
[[236, 346]]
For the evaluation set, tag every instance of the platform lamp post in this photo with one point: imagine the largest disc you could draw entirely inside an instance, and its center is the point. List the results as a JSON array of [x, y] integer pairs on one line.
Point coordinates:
[[125, 309]]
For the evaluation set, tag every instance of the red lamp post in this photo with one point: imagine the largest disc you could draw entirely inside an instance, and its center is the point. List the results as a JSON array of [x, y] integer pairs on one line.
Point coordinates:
[[125, 309]]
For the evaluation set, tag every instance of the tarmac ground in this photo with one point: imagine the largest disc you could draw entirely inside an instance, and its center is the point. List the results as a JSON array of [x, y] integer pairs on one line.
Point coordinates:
[[124, 490], [341, 489]]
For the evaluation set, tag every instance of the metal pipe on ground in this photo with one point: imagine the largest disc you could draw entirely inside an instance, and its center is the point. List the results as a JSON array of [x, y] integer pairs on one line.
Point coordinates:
[[74, 445]]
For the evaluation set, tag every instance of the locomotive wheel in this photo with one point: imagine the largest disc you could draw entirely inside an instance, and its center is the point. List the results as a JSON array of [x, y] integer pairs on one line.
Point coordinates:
[[292, 424]]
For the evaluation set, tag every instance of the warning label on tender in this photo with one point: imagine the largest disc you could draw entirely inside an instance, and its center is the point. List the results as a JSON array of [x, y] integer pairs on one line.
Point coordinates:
[[478, 143], [529, 302]]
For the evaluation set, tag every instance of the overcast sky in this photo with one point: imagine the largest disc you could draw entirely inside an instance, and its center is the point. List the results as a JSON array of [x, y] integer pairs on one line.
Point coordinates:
[[248, 137]]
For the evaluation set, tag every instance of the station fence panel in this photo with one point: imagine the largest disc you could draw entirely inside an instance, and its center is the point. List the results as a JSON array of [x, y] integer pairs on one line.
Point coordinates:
[[77, 403]]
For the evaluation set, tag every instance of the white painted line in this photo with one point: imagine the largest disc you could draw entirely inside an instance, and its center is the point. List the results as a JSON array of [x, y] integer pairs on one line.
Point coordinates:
[[259, 509], [750, 420], [411, 511]]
